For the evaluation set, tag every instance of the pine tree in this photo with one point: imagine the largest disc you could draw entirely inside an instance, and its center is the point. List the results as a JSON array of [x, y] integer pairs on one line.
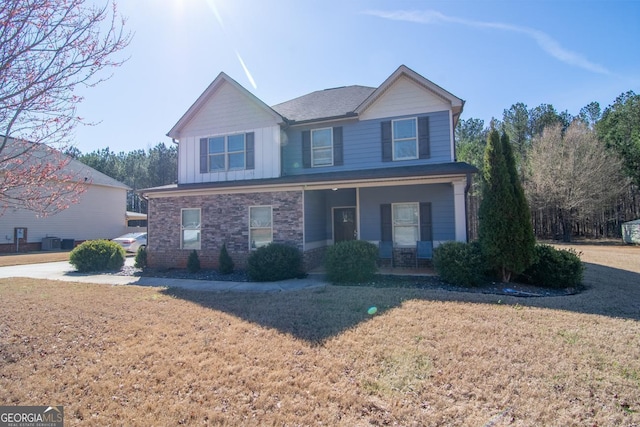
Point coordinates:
[[505, 232]]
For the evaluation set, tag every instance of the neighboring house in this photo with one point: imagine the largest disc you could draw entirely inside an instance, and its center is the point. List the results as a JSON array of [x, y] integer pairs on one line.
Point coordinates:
[[375, 164], [99, 213]]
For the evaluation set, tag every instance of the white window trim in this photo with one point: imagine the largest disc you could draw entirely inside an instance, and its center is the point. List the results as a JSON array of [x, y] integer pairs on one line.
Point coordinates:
[[393, 223], [393, 139], [183, 228], [226, 152], [313, 149], [251, 247]]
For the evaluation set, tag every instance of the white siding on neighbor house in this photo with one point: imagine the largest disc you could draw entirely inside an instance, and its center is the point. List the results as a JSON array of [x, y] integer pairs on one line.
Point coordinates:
[[405, 97], [266, 152], [100, 214]]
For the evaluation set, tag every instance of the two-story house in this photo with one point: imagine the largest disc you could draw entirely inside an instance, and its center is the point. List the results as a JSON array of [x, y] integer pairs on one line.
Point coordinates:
[[355, 162]]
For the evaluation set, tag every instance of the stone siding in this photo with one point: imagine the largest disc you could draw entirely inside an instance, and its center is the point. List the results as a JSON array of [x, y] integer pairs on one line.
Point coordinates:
[[225, 220]]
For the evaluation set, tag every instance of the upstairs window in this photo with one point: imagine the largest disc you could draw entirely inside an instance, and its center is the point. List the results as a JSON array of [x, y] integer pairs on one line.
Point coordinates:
[[228, 152], [405, 139], [322, 147]]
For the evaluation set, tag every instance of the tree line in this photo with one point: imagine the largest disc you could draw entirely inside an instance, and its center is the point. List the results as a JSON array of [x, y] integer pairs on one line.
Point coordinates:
[[580, 173], [138, 169]]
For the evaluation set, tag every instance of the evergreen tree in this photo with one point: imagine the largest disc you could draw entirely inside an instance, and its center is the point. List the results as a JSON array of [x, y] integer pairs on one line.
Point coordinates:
[[505, 235], [225, 262], [524, 240]]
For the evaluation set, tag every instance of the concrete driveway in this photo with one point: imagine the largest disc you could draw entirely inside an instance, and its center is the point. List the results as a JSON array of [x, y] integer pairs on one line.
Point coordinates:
[[66, 272]]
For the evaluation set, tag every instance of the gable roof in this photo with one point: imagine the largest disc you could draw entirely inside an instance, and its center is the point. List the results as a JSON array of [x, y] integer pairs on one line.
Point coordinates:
[[324, 104], [456, 103], [37, 153], [208, 93]]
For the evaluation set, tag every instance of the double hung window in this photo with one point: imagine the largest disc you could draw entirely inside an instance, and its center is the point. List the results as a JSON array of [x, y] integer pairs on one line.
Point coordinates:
[[260, 226], [190, 229], [406, 224], [405, 139], [322, 147]]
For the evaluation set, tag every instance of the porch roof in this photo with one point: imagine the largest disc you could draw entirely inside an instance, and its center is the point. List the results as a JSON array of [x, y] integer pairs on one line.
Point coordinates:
[[341, 178]]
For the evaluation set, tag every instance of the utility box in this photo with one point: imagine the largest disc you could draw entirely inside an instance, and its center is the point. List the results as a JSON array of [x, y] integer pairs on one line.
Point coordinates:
[[50, 243], [67, 244]]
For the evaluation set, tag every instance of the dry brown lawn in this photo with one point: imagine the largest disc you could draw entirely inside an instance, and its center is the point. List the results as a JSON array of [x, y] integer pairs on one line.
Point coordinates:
[[142, 356], [32, 258]]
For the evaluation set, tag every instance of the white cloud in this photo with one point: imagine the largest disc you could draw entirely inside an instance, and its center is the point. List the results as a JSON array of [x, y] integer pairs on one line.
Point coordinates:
[[547, 43]]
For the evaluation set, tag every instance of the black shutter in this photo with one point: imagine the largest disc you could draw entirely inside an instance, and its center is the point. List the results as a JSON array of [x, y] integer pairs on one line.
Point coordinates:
[[423, 137], [386, 230], [426, 233], [338, 159], [250, 151], [387, 143], [306, 148], [204, 154]]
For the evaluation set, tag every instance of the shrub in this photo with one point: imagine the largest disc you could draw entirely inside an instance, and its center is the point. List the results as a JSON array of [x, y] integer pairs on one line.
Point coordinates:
[[225, 262], [351, 261], [193, 262], [555, 268], [97, 255], [274, 262], [459, 263], [141, 257]]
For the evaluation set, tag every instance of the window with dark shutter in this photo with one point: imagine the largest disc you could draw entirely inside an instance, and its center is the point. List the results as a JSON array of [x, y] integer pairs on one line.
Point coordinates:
[[250, 151], [423, 137], [386, 230], [338, 157], [387, 141], [426, 225], [306, 149]]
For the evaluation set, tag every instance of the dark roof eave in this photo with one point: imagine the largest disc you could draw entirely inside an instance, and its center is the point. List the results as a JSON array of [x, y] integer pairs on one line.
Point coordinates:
[[440, 169], [348, 115]]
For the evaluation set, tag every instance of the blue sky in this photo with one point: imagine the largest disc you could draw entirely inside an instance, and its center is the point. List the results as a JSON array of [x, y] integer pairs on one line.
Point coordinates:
[[492, 54]]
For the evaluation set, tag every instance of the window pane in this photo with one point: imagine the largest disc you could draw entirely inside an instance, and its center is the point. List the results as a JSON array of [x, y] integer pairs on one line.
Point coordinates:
[[191, 218], [322, 157], [260, 237], [236, 142], [216, 145], [260, 216], [405, 149], [406, 236], [321, 138], [404, 129], [190, 239], [216, 162], [236, 161], [406, 213]]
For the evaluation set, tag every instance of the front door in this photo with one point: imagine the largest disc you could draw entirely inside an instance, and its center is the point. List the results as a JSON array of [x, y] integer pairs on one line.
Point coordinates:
[[344, 224]]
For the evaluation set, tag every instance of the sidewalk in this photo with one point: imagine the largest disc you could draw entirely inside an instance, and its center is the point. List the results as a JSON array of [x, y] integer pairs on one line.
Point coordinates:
[[65, 272]]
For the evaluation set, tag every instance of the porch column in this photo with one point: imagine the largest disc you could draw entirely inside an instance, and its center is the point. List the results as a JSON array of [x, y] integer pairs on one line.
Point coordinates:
[[459, 206]]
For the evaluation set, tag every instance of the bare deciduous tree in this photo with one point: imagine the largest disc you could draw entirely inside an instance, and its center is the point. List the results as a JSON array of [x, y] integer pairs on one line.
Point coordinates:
[[573, 173], [48, 50]]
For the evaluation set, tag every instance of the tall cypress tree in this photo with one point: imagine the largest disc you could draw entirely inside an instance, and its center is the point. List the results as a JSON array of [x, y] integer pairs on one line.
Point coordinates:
[[505, 232], [522, 248]]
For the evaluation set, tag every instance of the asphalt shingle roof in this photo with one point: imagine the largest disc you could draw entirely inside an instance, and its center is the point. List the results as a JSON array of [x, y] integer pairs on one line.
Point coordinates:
[[324, 104]]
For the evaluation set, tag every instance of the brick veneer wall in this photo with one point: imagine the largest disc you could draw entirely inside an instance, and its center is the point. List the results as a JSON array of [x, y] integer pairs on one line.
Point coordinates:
[[225, 219]]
